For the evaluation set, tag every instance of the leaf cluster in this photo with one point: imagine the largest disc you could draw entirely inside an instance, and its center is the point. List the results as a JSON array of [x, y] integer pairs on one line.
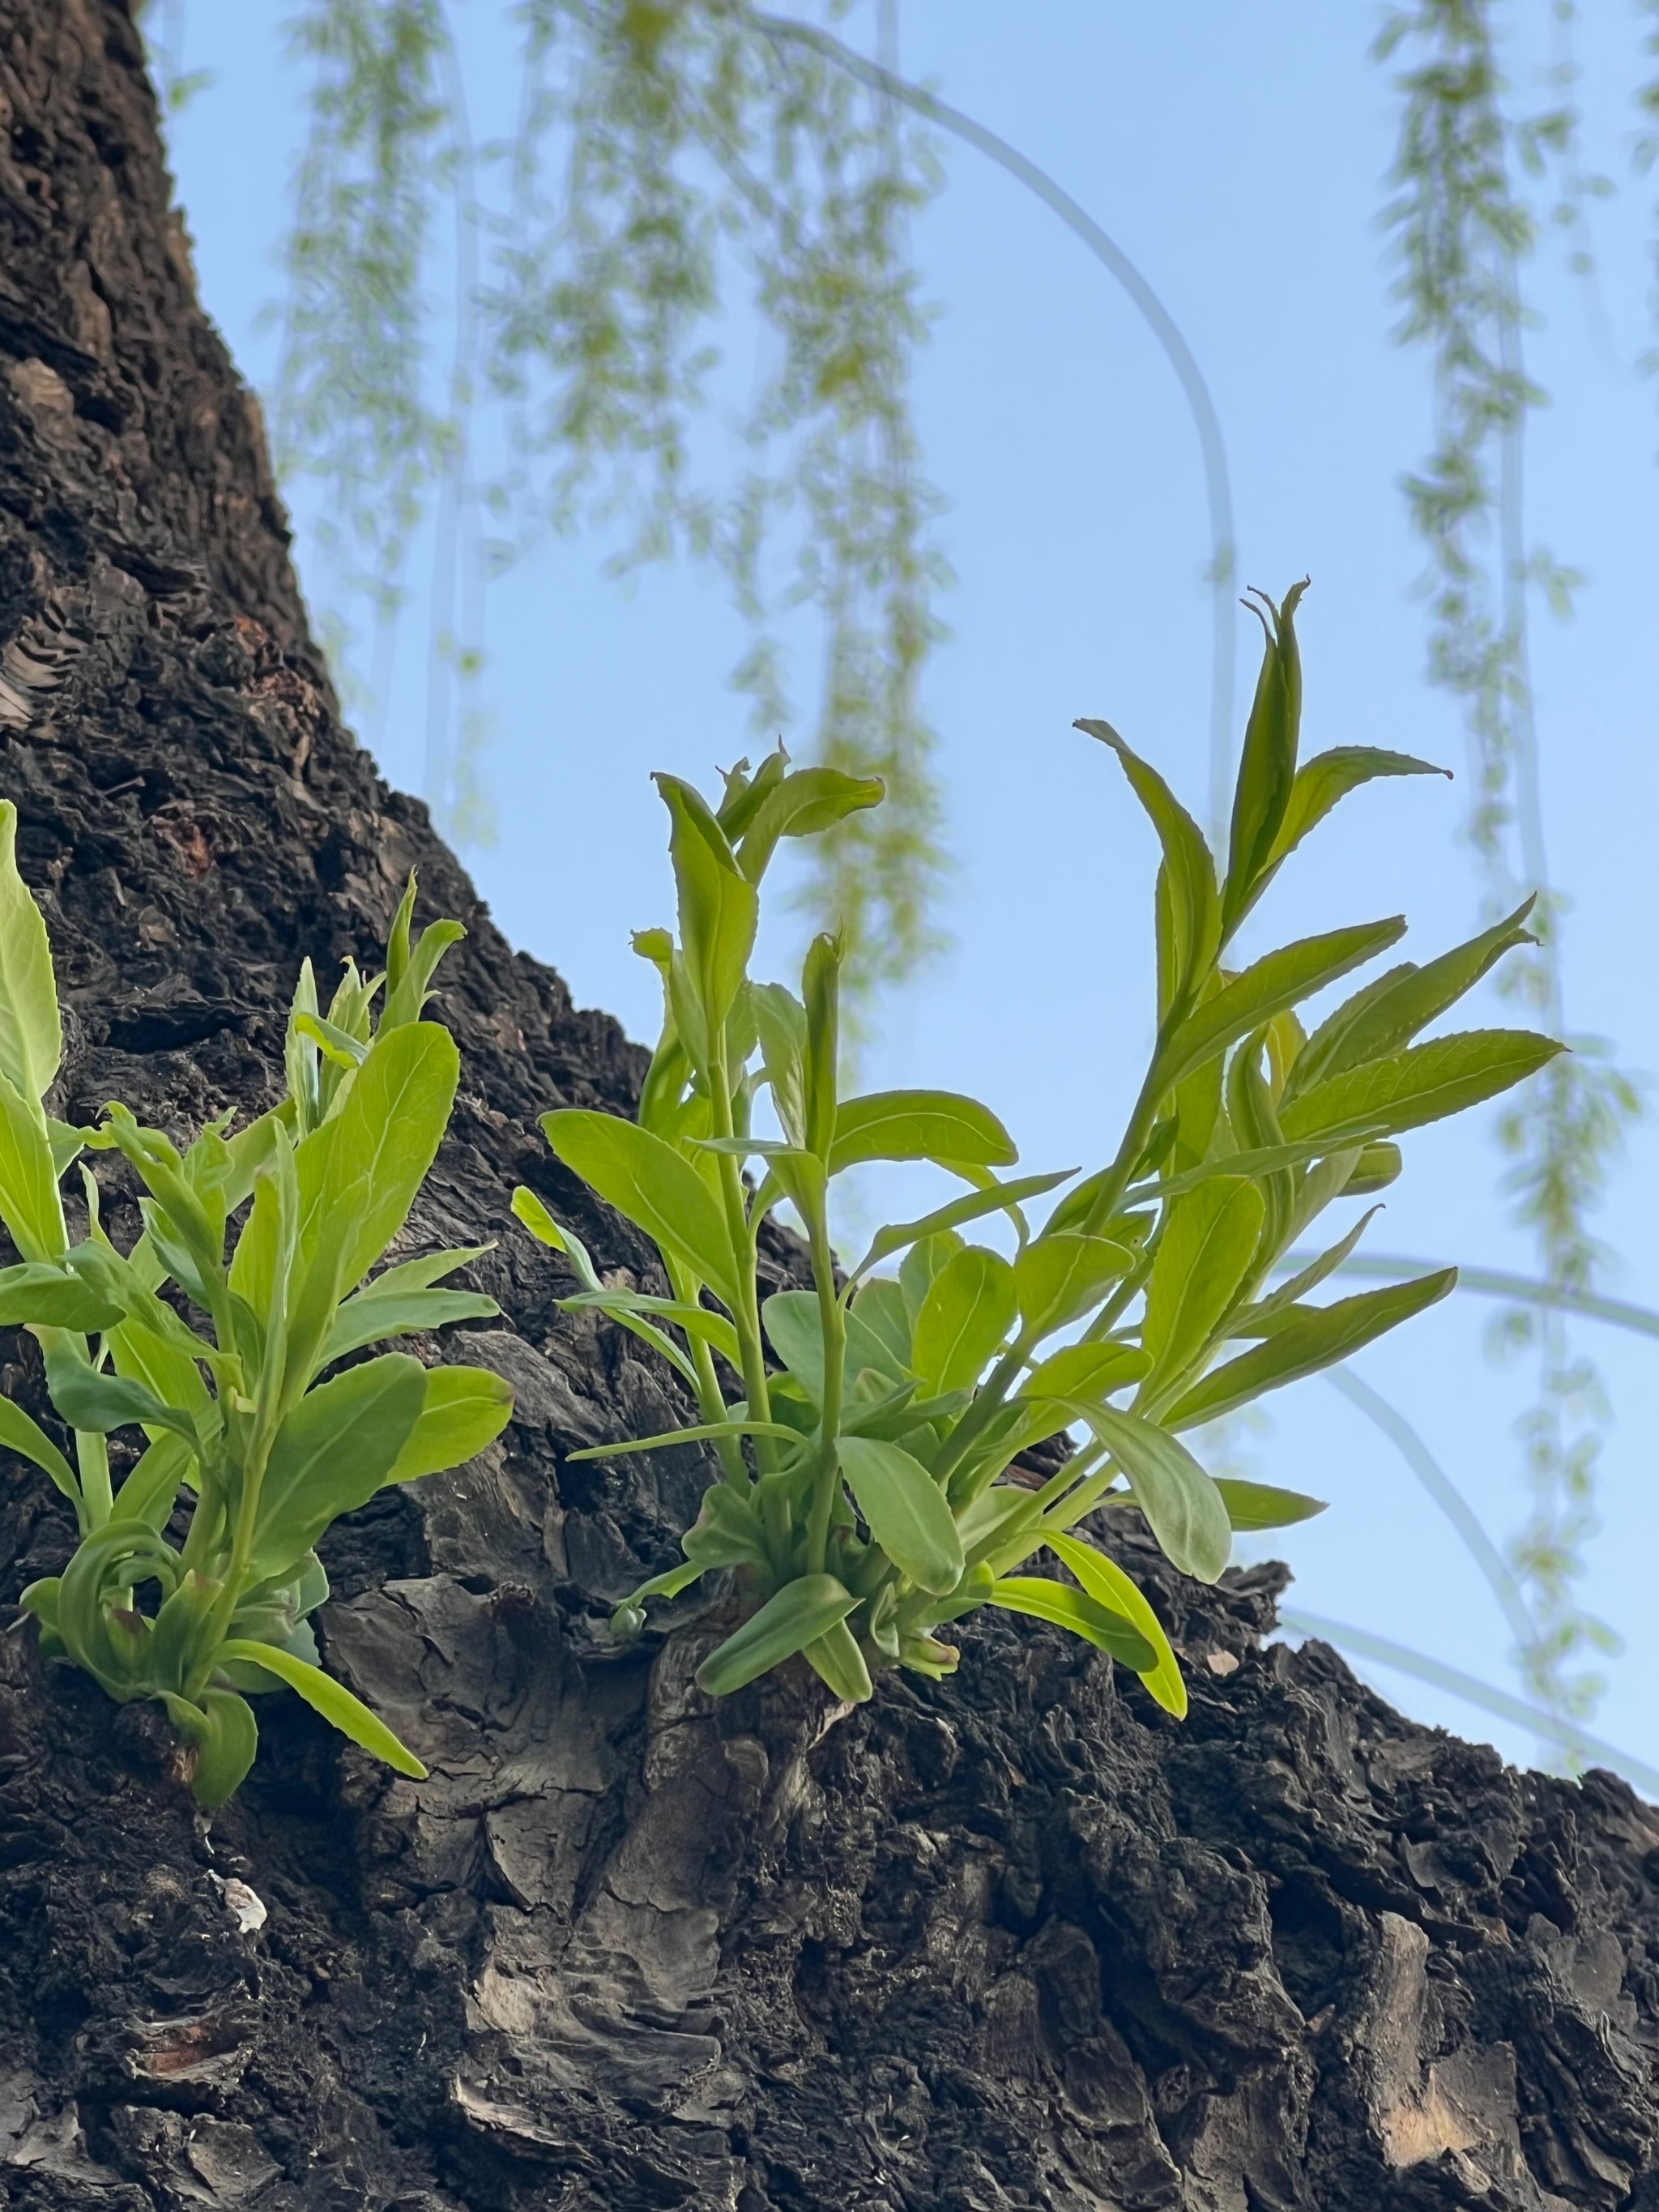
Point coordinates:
[[229, 1338], [869, 1431]]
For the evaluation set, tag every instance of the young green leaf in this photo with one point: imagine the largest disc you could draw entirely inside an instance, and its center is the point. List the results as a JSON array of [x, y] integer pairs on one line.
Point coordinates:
[[821, 992], [794, 1617], [1275, 982], [1209, 1246], [1259, 1505], [90, 1399], [1085, 1371], [25, 1438], [464, 1409], [386, 1138], [696, 1320], [780, 1022], [919, 1125], [802, 804], [795, 1331], [29, 1204], [995, 1198], [1381, 1021], [835, 1659], [1063, 1275], [726, 1533], [880, 1307], [655, 1187], [30, 1037], [1328, 779], [1305, 1342], [701, 1432], [1108, 1584], [1254, 1320], [332, 1699], [1181, 1502], [226, 1737], [1189, 868], [906, 1511], [1423, 1083], [150, 1492], [1067, 1607], [338, 1447], [52, 1297], [375, 1314], [967, 1312], [1266, 768], [718, 906]]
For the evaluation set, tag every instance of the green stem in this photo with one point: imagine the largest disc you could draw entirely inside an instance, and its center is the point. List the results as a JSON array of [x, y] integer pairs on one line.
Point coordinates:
[[712, 1407], [747, 1317], [1109, 1196], [989, 1399], [92, 1458], [827, 1472]]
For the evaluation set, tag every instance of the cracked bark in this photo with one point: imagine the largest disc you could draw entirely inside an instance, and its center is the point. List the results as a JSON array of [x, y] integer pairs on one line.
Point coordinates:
[[1013, 1941]]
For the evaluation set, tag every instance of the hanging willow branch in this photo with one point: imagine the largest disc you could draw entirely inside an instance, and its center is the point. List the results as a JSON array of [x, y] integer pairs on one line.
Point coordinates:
[[666, 159], [1462, 233]]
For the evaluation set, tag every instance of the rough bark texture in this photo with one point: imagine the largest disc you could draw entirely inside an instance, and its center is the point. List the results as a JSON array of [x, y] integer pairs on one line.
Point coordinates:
[[1016, 1941]]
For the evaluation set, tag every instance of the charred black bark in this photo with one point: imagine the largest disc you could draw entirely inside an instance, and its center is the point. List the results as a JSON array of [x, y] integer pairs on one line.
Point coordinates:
[[1016, 1941]]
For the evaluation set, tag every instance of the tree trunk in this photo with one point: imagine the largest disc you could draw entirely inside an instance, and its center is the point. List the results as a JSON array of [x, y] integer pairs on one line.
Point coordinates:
[[1015, 1941]]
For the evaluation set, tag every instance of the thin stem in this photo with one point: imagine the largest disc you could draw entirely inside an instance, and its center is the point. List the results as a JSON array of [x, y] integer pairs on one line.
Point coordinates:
[[92, 1458], [827, 1472]]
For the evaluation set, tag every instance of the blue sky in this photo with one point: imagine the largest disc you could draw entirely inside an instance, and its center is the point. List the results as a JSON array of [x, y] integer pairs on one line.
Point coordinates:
[[1238, 157]]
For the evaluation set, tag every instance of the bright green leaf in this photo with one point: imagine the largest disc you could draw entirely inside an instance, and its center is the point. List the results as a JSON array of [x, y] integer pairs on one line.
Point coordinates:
[[31, 1038], [24, 1437], [1305, 1340], [1189, 868], [1181, 1504], [332, 1699], [655, 1187], [338, 1446], [835, 1657], [1085, 1371], [1275, 982], [1062, 1276], [1108, 1584], [464, 1409], [1423, 1085], [919, 1125], [1328, 778], [796, 1616], [1259, 1505], [1378, 1022], [995, 1198], [1067, 1607], [906, 1510], [967, 1312], [1209, 1246]]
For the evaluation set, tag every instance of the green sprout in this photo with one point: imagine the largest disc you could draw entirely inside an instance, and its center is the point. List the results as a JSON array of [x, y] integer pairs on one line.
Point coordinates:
[[869, 1429], [235, 1368]]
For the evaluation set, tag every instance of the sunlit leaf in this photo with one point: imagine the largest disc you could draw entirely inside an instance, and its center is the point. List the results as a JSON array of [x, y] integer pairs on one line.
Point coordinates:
[[906, 1511], [1303, 1341], [796, 1616]]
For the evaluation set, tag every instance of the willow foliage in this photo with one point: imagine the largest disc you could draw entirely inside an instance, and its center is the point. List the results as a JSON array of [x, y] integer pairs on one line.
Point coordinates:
[[665, 159], [1463, 226]]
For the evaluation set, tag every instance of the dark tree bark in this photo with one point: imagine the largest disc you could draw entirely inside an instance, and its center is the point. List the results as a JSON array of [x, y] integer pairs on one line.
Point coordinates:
[[1013, 1941]]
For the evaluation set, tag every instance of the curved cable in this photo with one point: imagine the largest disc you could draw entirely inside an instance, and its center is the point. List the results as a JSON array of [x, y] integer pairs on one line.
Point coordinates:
[[1446, 1495], [1223, 559], [1493, 1283], [1549, 1726]]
